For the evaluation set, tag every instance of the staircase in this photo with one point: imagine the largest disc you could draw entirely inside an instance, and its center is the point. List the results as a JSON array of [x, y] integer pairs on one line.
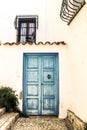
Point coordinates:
[[7, 119]]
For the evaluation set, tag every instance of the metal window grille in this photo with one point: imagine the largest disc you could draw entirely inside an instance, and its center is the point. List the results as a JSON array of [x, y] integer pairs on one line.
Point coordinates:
[[70, 8], [26, 28]]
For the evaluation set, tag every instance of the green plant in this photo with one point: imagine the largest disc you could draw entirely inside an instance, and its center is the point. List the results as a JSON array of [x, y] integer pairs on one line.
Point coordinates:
[[10, 98]]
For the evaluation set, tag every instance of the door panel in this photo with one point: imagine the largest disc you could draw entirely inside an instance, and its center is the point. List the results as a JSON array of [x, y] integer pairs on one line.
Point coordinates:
[[49, 84], [32, 85], [40, 85]]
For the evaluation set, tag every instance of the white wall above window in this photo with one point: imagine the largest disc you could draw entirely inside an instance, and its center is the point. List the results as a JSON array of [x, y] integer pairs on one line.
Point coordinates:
[[9, 9]]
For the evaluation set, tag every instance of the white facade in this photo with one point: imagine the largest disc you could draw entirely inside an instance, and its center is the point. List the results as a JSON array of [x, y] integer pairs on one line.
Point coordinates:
[[49, 21], [72, 57]]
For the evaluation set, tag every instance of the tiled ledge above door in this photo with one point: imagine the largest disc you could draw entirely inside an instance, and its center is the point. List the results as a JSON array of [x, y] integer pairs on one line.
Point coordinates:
[[43, 43]]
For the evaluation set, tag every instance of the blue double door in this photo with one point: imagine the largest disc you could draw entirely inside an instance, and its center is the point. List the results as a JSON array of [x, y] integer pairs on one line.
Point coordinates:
[[40, 84]]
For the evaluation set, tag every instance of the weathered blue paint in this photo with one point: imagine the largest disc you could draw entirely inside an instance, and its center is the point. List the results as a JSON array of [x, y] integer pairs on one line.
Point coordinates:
[[40, 84]]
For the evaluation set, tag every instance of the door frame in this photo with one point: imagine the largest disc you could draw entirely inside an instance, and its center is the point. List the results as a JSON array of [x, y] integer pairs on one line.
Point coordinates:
[[24, 77]]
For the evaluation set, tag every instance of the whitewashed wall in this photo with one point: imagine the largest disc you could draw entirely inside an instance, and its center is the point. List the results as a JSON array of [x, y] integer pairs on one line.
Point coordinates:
[[8, 11], [50, 29], [11, 69], [73, 57], [77, 39], [50, 26]]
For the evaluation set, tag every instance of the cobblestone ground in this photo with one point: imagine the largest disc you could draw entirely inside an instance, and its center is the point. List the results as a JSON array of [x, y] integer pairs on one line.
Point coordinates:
[[40, 123]]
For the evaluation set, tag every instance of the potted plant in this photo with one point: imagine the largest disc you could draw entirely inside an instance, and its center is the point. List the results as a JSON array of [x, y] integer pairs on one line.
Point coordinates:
[[8, 99]]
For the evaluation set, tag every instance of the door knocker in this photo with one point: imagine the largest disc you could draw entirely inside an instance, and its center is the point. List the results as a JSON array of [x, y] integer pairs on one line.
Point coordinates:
[[49, 76]]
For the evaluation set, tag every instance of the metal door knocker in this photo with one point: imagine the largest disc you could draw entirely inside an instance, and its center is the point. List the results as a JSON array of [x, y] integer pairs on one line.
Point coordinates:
[[49, 76]]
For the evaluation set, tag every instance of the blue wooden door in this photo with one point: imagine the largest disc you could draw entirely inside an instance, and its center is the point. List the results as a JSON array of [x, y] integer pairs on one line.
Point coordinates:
[[40, 84]]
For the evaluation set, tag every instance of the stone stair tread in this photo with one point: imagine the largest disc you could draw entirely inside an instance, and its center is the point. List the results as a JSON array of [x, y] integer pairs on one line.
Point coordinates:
[[2, 111], [7, 119]]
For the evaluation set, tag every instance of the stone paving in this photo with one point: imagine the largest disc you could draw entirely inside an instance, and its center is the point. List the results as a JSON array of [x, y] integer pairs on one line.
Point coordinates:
[[40, 123]]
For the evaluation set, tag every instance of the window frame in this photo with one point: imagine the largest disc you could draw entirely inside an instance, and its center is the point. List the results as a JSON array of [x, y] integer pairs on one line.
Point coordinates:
[[26, 19]]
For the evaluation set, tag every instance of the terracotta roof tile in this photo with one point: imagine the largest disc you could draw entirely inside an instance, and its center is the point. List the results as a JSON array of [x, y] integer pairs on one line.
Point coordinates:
[[47, 42]]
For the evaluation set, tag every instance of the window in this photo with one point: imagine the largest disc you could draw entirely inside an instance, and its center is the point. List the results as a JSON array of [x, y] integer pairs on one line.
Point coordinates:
[[26, 28]]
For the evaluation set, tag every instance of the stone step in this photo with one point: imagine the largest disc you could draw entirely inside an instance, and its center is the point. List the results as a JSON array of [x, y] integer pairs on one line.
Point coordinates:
[[2, 111], [7, 120]]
